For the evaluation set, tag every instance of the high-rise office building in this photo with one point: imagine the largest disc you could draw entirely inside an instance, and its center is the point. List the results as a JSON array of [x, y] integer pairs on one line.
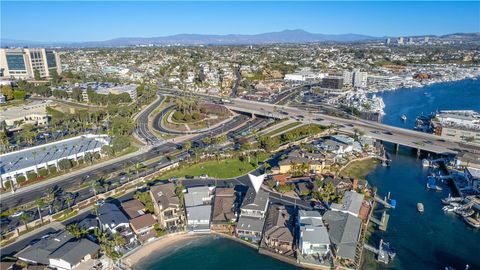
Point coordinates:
[[22, 63], [359, 78], [388, 41], [400, 40]]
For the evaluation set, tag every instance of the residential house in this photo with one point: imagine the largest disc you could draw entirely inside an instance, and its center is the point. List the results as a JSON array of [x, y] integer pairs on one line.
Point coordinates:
[[314, 239], [167, 206], [112, 218], [279, 229], [302, 161], [133, 208], [351, 203], [252, 215], [71, 254], [143, 227], [198, 207], [344, 230], [61, 251], [224, 209]]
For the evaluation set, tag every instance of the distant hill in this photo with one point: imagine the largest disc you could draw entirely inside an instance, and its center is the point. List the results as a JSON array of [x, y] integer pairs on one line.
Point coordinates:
[[286, 36]]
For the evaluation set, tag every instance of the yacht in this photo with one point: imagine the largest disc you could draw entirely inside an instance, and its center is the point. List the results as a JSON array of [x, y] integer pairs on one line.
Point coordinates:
[[420, 207], [403, 117]]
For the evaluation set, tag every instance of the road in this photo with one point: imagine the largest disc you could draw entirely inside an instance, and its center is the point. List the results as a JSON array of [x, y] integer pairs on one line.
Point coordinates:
[[411, 138], [142, 129]]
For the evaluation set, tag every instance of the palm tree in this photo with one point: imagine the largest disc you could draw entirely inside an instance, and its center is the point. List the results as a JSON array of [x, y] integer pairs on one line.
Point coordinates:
[[34, 154], [40, 203], [76, 231], [94, 184], [24, 218], [69, 200]]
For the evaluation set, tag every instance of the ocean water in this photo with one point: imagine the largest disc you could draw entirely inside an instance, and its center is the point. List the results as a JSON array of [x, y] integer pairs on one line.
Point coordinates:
[[460, 95], [432, 240], [208, 253]]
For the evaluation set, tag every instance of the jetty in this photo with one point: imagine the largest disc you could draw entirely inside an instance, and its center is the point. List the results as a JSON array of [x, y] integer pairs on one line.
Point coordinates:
[[384, 252], [383, 222], [387, 202]]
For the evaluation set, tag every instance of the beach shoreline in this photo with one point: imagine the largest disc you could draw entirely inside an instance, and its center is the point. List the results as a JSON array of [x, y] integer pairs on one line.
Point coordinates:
[[146, 250]]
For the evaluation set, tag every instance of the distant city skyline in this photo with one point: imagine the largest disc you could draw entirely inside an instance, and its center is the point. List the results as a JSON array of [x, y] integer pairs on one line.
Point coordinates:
[[96, 21]]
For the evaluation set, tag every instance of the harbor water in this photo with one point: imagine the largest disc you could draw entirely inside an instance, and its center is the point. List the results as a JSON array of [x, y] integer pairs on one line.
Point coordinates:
[[432, 240], [412, 102]]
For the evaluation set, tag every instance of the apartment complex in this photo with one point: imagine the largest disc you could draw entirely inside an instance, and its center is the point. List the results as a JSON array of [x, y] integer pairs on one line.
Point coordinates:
[[22, 63], [460, 125]]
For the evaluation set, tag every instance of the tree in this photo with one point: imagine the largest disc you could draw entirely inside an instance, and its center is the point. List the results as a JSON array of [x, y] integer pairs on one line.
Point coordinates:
[[76, 231], [25, 218], [40, 203], [36, 75], [221, 139], [7, 91], [69, 201], [19, 94], [207, 140], [145, 198], [77, 94]]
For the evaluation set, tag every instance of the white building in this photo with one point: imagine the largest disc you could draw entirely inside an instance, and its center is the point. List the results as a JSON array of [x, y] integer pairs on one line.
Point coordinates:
[[304, 75], [34, 113], [22, 63], [198, 205], [32, 159], [461, 125], [359, 78], [314, 238]]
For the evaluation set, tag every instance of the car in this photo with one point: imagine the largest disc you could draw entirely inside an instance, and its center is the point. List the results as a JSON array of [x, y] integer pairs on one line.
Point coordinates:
[[189, 177], [173, 179], [318, 119], [204, 176], [17, 214], [387, 133], [100, 202], [4, 220], [46, 235]]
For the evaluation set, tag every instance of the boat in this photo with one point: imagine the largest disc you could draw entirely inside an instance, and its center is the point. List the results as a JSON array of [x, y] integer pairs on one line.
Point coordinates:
[[450, 199], [448, 208], [425, 162], [403, 117], [472, 222], [432, 183], [420, 207]]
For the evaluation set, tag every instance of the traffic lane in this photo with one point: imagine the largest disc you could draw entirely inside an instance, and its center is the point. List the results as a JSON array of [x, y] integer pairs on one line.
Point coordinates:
[[76, 181], [12, 249]]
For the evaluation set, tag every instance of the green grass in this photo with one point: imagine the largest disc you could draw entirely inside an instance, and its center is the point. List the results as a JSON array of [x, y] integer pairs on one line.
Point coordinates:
[[360, 169], [276, 131], [227, 168]]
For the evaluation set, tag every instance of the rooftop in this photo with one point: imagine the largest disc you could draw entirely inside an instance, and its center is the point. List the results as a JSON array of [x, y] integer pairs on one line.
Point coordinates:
[[134, 208], [351, 202], [344, 230], [255, 201], [165, 195], [141, 222]]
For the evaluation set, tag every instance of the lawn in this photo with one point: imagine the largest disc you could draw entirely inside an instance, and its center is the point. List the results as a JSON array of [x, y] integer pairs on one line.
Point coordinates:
[[278, 130], [227, 168], [360, 169]]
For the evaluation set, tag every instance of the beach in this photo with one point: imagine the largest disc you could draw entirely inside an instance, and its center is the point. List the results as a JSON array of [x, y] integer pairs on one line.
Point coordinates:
[[162, 243]]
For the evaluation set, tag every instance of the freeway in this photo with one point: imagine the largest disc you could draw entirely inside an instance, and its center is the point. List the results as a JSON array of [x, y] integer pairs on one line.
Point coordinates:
[[411, 138]]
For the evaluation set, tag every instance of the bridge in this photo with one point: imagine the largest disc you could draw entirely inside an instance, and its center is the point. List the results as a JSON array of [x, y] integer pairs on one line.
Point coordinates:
[[399, 136]]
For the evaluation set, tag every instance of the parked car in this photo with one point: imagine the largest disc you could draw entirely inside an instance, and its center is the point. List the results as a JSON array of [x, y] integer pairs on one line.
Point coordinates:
[[204, 176], [17, 214], [189, 177], [100, 202]]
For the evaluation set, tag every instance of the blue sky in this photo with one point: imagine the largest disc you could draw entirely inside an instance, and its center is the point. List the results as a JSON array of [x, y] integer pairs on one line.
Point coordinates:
[[91, 20]]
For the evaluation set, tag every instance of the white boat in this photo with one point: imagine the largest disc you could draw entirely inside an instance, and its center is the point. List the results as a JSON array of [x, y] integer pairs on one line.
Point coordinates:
[[403, 117], [448, 208], [425, 162], [420, 207]]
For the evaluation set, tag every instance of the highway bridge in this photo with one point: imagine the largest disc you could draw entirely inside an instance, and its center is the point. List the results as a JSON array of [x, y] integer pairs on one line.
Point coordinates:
[[399, 136]]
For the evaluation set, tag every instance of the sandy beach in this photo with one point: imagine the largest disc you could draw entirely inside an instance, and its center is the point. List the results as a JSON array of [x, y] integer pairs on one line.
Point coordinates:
[[156, 245]]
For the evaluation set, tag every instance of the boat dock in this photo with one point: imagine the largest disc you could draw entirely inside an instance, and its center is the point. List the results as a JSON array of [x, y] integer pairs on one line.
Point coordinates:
[[384, 252], [383, 222], [387, 203]]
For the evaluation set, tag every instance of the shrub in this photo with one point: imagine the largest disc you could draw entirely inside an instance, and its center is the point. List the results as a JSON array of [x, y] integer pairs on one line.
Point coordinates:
[[52, 169], [80, 161], [74, 163], [65, 164], [20, 179], [43, 172], [196, 116], [203, 110], [187, 117], [96, 155], [7, 185], [178, 116], [32, 176]]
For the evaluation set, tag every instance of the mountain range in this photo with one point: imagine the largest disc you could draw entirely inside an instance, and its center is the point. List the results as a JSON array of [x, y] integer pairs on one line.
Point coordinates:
[[286, 36]]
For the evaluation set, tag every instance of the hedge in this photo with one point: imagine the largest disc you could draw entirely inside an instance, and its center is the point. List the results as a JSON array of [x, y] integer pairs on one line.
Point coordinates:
[[52, 169], [32, 176], [21, 179], [43, 172]]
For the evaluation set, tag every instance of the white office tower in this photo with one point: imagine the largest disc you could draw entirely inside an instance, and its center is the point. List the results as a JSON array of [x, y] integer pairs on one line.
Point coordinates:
[[22, 63], [359, 78]]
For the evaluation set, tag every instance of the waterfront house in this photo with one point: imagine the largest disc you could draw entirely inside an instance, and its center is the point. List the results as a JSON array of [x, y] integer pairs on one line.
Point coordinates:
[[112, 218], [351, 203], [133, 208], [198, 207], [313, 240], [167, 206], [279, 229], [301, 161], [252, 215], [38, 253], [344, 231], [224, 209], [473, 178], [143, 227]]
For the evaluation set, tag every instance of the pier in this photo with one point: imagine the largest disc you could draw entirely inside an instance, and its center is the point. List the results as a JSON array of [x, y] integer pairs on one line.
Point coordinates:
[[385, 202], [383, 222], [384, 252]]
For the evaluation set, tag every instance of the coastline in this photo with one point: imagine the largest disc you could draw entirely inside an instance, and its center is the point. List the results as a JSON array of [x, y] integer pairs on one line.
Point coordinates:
[[147, 249]]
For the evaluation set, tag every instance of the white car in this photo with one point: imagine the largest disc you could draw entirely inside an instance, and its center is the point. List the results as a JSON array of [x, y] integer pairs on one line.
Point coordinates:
[[17, 214], [204, 176]]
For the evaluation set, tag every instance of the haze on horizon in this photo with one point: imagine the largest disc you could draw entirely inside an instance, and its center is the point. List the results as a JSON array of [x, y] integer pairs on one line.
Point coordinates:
[[97, 21]]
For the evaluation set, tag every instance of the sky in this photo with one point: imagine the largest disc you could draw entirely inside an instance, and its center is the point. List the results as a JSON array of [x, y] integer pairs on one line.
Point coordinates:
[[96, 21]]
